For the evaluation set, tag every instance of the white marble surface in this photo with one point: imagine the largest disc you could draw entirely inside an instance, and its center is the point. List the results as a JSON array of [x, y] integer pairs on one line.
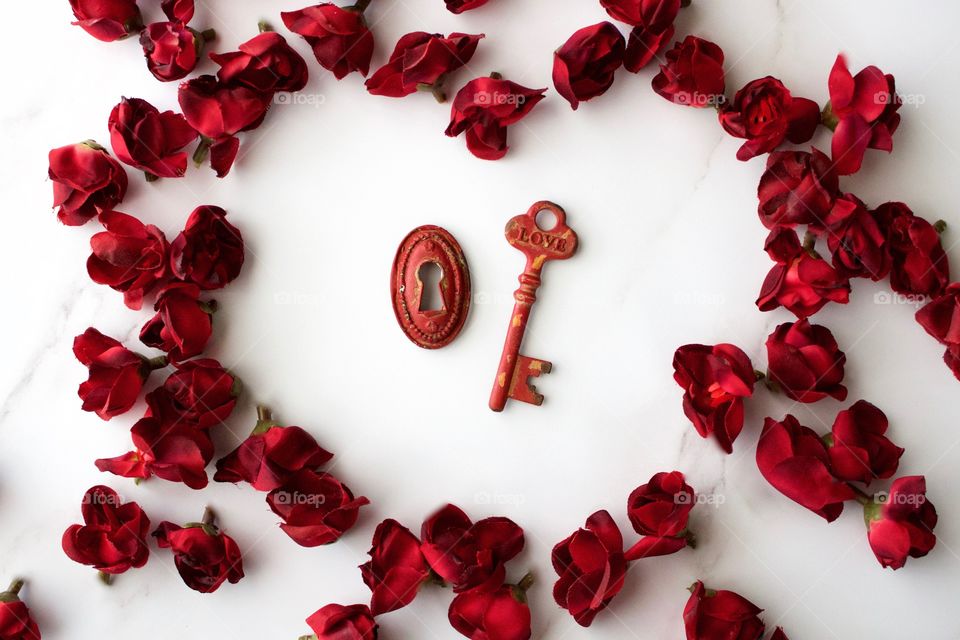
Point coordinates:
[[671, 253]]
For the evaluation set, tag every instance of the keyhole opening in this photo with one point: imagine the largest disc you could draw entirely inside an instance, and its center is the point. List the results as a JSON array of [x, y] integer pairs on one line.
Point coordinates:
[[431, 295], [546, 220]]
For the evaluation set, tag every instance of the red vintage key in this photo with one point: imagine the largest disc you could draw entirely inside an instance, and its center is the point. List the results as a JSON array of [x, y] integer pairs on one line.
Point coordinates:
[[539, 246]]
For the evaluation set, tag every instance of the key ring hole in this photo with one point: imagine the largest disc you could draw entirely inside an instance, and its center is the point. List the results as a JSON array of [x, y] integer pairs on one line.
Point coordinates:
[[547, 220]]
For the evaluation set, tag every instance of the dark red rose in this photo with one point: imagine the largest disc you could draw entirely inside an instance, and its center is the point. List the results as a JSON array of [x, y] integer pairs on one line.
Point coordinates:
[[271, 456], [113, 537], [656, 15], [500, 614], [172, 49], [107, 20], [857, 240], [176, 452], [715, 379], [901, 525], [183, 323], [643, 45], [86, 182], [800, 281], [337, 622], [115, 377], [864, 108], [128, 256], [797, 188], [765, 114], [859, 450], [459, 6], [660, 511], [316, 508], [469, 555], [484, 108], [340, 39], [264, 64], [149, 140], [591, 567], [941, 319], [712, 615], [919, 266], [804, 361], [15, 620], [396, 568], [181, 10], [200, 393], [205, 557], [583, 68], [692, 74], [209, 250], [422, 60]]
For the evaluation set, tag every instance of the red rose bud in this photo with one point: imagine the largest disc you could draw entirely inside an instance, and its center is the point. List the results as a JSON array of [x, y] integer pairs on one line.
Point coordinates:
[[15, 620], [86, 182], [178, 10], [340, 39], [941, 317], [862, 112], [107, 20], [113, 536], [172, 49], [316, 508], [115, 374], [859, 450], [857, 240], [643, 46], [396, 568], [500, 614], [591, 567], [804, 361], [183, 324], [337, 622], [765, 114], [711, 615], [484, 108], [901, 525], [469, 555], [209, 250], [797, 188], [149, 140], [200, 393], [422, 61], [657, 15], [795, 461], [692, 74], [583, 68], [128, 256], [205, 557], [459, 6], [715, 379], [801, 281], [264, 64], [174, 452], [919, 266], [660, 511]]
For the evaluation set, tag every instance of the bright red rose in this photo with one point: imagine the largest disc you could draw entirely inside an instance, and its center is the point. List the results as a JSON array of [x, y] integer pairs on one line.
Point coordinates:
[[712, 615], [316, 508], [919, 266], [116, 374], [800, 281], [797, 188], [177, 453], [459, 6], [337, 622], [660, 511], [859, 450], [264, 64], [200, 393], [149, 140], [500, 614], [591, 567], [643, 46], [469, 555], [271, 456], [172, 49], [422, 60], [656, 15], [804, 361], [864, 108], [113, 537], [209, 250], [715, 379], [692, 74], [901, 525], [765, 114], [128, 256], [484, 108], [107, 20], [205, 557], [86, 182], [583, 68], [183, 323], [396, 568], [857, 240], [340, 39], [15, 620]]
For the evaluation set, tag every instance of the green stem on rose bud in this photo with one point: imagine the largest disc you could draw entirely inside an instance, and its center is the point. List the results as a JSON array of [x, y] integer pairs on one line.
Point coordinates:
[[265, 421], [208, 35], [860, 496], [828, 118], [308, 638], [150, 177], [210, 307], [105, 578], [360, 6], [691, 538], [209, 516], [15, 587], [264, 27], [202, 151], [770, 384], [526, 582], [158, 363], [940, 226], [758, 375], [496, 75]]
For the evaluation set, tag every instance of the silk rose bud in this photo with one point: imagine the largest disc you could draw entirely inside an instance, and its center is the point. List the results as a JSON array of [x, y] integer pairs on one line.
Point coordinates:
[[422, 61], [15, 620], [653, 27], [502, 613], [107, 20], [857, 240], [859, 450], [797, 188], [804, 361], [200, 393], [583, 68], [209, 250], [919, 265], [715, 380], [337, 622], [204, 556], [86, 182], [765, 114], [712, 614], [591, 567], [128, 256], [149, 140], [340, 39], [660, 512], [112, 539], [901, 524], [172, 49], [264, 64], [396, 568], [692, 74], [484, 108], [316, 508], [183, 323]]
